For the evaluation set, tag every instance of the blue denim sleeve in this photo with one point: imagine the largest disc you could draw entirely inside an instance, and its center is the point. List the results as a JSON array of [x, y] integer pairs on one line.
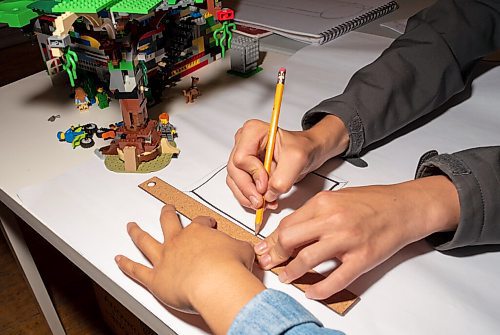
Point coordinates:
[[274, 312]]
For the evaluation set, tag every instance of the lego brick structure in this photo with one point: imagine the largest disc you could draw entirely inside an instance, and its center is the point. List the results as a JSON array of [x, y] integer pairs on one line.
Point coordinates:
[[125, 49]]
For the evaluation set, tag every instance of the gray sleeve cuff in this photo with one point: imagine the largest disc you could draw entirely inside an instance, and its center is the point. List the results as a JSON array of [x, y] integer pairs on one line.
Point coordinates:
[[352, 121], [475, 174]]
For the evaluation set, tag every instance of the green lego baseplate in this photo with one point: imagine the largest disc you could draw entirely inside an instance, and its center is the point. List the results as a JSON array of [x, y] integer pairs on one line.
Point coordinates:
[[16, 13], [19, 13], [43, 6], [135, 6], [82, 6]]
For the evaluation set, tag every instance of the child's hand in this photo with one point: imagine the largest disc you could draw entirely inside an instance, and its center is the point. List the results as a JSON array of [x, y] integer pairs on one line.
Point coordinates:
[[196, 268], [296, 153], [359, 226]]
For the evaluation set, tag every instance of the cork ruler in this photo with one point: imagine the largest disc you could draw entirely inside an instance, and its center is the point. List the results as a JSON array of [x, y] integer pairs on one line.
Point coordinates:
[[191, 208]]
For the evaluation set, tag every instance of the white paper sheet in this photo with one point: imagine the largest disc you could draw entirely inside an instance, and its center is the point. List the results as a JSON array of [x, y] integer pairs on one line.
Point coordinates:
[[214, 193]]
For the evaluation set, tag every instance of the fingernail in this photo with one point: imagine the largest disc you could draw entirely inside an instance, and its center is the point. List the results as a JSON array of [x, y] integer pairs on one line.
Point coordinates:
[[118, 258], [258, 184], [270, 196], [310, 295], [168, 207], [260, 248], [265, 260], [283, 277], [272, 205], [255, 202]]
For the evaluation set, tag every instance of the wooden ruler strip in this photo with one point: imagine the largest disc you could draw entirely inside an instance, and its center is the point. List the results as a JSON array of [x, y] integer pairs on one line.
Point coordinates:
[[190, 208]]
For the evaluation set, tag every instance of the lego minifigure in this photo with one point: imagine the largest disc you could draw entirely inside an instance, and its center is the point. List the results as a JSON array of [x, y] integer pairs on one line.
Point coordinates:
[[102, 98], [167, 133], [82, 101], [166, 129]]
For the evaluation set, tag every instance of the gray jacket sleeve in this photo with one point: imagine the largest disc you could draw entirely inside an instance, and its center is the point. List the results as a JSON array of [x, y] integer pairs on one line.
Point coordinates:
[[476, 175], [420, 71]]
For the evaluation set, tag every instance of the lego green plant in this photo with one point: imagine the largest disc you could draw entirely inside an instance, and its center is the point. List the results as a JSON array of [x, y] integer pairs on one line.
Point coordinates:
[[71, 58], [223, 33]]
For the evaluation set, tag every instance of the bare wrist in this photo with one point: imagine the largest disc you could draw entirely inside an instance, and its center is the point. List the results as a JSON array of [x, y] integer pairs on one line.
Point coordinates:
[[434, 205], [222, 294], [330, 138]]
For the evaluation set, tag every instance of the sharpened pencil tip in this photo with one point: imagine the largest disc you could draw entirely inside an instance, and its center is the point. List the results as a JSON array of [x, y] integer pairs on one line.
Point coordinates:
[[257, 229]]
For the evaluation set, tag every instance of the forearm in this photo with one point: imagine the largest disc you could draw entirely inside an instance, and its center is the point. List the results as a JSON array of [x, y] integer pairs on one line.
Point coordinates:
[[416, 74], [223, 295]]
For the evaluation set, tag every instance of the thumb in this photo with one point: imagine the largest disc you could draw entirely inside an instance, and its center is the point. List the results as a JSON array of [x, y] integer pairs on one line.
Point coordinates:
[[270, 252]]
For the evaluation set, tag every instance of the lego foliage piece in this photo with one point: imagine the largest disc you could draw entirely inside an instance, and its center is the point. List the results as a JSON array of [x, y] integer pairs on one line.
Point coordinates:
[[135, 6], [70, 66], [223, 35], [82, 6], [225, 32], [16, 13]]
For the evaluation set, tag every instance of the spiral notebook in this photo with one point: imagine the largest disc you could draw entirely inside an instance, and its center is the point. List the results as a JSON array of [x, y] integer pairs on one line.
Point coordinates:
[[310, 21]]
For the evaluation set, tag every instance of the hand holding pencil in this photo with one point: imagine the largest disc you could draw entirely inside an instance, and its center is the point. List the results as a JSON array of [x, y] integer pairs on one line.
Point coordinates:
[[292, 155], [271, 139]]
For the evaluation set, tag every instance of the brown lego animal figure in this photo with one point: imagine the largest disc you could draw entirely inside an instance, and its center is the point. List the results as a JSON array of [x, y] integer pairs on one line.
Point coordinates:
[[193, 92]]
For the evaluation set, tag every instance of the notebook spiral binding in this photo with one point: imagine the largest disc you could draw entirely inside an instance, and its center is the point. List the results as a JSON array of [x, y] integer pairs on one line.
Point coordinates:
[[359, 21]]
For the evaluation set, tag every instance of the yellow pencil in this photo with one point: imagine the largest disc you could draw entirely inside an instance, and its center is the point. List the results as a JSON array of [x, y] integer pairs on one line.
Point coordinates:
[[271, 139]]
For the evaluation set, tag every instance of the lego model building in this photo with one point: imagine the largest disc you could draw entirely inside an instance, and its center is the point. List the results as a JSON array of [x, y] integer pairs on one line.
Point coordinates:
[[132, 49]]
